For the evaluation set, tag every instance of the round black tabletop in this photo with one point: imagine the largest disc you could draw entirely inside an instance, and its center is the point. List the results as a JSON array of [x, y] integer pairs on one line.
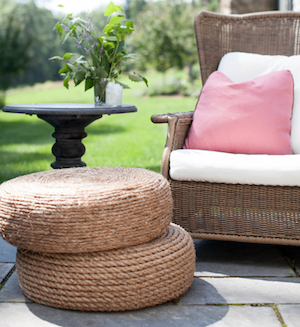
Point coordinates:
[[68, 109]]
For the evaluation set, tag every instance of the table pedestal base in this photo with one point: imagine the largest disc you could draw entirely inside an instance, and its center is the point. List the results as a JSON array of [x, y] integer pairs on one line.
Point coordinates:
[[69, 131]]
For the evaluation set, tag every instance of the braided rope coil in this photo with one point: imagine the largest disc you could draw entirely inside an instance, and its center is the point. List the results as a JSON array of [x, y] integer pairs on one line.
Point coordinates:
[[84, 209], [125, 279]]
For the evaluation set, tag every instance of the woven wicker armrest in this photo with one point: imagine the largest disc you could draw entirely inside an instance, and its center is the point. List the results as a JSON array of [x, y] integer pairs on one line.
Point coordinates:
[[165, 118], [178, 126]]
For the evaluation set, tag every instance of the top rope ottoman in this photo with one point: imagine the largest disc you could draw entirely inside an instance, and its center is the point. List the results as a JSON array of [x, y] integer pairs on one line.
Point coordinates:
[[80, 210]]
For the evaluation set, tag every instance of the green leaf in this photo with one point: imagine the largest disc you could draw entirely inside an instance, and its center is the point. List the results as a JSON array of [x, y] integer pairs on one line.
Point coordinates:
[[67, 36], [129, 56], [129, 23], [116, 20], [56, 58], [124, 85], [118, 8], [121, 46], [66, 81], [108, 44], [101, 72], [79, 77], [145, 80], [107, 28], [65, 69], [67, 56], [105, 63], [118, 59], [76, 20], [89, 83], [61, 6], [111, 38], [59, 29], [80, 61], [96, 61], [73, 68], [135, 77], [109, 9]]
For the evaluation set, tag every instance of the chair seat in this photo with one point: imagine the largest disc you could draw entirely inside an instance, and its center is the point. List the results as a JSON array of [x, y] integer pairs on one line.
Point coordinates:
[[220, 167]]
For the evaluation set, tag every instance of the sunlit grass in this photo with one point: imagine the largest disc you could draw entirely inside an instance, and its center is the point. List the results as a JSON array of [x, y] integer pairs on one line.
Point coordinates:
[[128, 140]]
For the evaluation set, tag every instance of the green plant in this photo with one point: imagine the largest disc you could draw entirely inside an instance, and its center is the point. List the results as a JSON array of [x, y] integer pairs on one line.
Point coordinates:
[[102, 57]]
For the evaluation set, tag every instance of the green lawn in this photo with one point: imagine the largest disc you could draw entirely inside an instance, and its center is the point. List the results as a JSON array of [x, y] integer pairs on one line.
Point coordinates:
[[128, 140]]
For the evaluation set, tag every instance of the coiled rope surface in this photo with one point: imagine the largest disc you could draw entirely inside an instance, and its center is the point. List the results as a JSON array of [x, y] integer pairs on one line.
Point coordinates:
[[116, 280], [84, 209]]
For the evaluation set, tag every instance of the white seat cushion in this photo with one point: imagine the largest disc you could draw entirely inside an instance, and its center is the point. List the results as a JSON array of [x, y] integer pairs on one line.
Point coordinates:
[[241, 67], [220, 167]]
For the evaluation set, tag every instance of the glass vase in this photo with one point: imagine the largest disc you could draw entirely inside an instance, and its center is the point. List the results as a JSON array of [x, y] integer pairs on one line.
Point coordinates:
[[99, 91]]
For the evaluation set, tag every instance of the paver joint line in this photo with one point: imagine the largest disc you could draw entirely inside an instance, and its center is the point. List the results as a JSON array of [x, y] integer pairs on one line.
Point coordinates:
[[5, 279], [278, 314]]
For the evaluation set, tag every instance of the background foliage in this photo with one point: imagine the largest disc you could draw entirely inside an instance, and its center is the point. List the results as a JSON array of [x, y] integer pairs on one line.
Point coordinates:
[[164, 38]]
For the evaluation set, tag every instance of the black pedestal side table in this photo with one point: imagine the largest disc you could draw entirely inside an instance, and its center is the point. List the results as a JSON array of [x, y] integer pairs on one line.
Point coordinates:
[[69, 121]]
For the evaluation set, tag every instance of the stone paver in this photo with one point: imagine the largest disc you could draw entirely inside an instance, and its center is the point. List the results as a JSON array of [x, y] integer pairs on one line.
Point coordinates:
[[11, 291], [232, 277], [242, 291], [290, 314], [193, 305], [218, 258], [7, 251], [34, 315], [5, 268]]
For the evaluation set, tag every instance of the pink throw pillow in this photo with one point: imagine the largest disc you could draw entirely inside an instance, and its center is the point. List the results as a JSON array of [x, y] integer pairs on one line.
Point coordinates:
[[252, 117]]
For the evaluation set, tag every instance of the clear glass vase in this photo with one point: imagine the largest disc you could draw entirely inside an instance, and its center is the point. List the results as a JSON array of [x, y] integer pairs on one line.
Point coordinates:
[[99, 91]]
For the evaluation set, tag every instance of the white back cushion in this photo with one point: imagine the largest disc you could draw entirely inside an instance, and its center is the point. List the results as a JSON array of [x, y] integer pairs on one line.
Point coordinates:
[[241, 67]]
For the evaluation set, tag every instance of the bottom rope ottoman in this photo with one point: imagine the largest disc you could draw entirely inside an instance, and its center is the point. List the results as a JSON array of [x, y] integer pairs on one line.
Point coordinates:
[[125, 279]]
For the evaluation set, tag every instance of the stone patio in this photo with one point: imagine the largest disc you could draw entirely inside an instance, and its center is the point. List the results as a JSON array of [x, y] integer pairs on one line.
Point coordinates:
[[235, 284]]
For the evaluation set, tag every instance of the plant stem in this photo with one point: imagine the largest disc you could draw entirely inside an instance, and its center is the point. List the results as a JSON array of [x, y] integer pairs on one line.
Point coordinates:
[[112, 65]]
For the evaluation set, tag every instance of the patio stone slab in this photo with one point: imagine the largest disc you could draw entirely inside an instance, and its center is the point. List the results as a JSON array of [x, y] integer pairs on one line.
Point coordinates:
[[7, 251], [290, 314], [11, 291], [219, 258], [35, 315], [5, 268], [242, 291]]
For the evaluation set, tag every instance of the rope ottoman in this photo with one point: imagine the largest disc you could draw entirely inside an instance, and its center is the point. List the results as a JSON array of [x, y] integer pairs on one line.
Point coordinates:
[[124, 279], [84, 209], [96, 239]]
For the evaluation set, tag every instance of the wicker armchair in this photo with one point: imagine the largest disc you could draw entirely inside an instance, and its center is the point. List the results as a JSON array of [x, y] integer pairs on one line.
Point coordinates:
[[234, 212]]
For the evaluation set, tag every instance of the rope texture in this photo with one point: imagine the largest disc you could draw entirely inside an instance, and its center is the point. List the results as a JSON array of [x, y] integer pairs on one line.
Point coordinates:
[[84, 209], [124, 279]]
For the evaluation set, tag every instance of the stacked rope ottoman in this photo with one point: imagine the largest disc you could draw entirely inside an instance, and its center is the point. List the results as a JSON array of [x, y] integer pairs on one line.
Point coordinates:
[[96, 239]]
